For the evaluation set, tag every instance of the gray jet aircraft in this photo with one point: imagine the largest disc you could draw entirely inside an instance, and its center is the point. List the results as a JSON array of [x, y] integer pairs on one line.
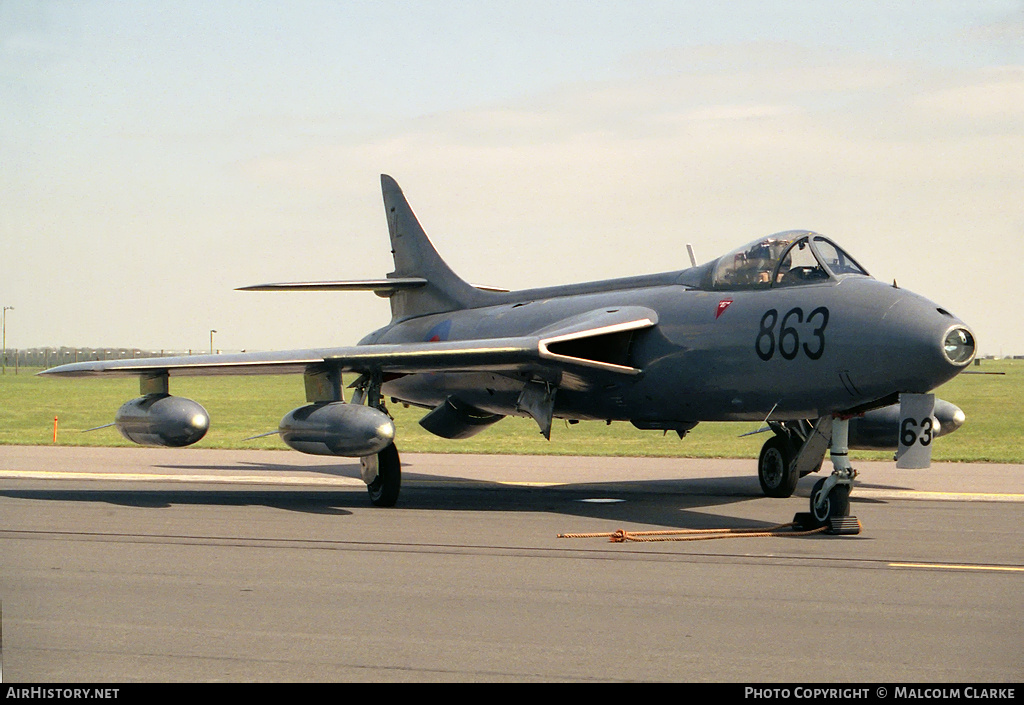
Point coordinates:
[[788, 330]]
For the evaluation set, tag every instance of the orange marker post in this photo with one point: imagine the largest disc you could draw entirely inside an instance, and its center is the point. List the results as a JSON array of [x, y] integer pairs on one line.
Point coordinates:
[[54, 429]]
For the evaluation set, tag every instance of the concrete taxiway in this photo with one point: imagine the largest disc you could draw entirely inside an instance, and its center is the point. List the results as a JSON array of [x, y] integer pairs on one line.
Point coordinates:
[[197, 565]]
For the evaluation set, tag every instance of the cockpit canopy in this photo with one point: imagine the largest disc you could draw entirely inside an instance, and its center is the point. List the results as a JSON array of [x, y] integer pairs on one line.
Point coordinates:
[[792, 258]]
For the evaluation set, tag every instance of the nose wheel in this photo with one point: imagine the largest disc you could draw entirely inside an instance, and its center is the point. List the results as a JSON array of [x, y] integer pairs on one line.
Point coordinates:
[[829, 500]]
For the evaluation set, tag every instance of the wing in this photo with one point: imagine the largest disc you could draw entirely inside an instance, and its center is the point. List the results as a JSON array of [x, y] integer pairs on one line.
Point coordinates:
[[578, 352], [499, 354], [595, 341]]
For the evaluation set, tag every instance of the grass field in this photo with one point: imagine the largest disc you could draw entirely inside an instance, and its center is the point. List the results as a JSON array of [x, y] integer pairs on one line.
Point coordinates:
[[244, 406]]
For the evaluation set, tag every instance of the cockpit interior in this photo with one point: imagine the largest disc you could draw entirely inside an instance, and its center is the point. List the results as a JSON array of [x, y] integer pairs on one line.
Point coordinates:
[[793, 258]]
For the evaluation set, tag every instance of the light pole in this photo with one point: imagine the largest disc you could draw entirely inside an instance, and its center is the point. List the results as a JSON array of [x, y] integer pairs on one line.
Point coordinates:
[[4, 316], [211, 341]]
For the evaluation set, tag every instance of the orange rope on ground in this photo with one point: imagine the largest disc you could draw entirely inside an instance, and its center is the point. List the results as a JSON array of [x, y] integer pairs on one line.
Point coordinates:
[[622, 535]]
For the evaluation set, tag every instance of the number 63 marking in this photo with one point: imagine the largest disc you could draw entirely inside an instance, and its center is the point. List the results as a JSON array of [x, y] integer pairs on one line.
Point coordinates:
[[909, 435]]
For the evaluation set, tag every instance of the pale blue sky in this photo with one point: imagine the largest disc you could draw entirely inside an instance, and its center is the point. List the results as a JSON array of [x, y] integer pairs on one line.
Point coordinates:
[[155, 155]]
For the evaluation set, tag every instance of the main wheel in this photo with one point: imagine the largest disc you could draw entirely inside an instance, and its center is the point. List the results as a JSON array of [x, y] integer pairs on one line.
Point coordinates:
[[774, 471], [836, 504], [385, 487]]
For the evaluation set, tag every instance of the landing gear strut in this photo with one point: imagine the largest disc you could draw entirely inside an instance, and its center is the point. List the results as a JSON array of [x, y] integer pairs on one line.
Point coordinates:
[[830, 498], [382, 472]]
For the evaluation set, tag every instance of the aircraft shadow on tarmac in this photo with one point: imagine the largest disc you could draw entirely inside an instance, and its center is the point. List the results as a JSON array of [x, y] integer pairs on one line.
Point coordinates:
[[684, 503]]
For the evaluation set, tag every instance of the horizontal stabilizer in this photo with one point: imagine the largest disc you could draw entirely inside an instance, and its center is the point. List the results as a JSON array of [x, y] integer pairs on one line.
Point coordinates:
[[381, 287]]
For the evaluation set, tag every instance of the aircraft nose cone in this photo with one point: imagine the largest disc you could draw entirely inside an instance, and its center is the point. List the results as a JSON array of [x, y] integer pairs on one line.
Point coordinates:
[[928, 345]]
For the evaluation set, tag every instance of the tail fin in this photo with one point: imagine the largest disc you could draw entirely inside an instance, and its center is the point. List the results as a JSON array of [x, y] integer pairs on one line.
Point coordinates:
[[416, 257]]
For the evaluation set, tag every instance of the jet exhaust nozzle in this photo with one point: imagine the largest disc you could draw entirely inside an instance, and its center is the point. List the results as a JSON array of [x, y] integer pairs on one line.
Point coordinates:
[[162, 420], [337, 428]]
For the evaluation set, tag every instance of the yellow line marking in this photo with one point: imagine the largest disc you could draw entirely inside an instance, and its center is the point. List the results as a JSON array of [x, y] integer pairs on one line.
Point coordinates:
[[271, 478], [873, 493], [954, 566], [513, 483]]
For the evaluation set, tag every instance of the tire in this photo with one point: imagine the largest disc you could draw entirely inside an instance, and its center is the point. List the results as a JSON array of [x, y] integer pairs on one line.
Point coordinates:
[[385, 488], [837, 504], [774, 468]]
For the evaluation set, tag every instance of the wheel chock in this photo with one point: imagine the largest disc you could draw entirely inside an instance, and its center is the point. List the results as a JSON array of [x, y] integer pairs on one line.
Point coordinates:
[[837, 526], [843, 526]]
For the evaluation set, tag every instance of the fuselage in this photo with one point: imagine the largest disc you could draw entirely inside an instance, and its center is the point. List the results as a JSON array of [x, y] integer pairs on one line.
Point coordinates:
[[797, 352]]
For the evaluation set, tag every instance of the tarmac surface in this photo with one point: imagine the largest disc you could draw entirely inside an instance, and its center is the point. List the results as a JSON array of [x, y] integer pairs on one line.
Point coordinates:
[[136, 564]]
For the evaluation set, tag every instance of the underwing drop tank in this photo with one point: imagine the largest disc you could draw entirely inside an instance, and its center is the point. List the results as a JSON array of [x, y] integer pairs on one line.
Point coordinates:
[[337, 428], [162, 420]]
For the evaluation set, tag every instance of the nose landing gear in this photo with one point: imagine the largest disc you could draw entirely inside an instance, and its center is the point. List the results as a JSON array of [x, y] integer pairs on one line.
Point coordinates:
[[798, 449], [830, 497]]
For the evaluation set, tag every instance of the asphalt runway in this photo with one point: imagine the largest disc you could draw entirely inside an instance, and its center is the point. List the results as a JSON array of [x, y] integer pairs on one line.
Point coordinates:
[[120, 565]]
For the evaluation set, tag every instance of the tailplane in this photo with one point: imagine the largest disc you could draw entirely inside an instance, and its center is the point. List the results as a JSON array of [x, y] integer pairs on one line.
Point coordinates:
[[421, 284], [416, 258]]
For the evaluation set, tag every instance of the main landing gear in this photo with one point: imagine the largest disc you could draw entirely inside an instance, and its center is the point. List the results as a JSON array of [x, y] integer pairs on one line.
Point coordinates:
[[796, 449], [775, 469], [382, 474]]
